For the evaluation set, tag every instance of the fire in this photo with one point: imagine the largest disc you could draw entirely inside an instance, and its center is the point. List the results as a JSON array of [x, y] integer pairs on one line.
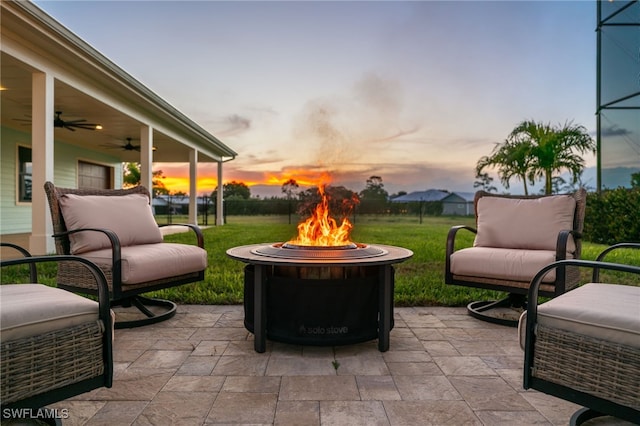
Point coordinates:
[[320, 229]]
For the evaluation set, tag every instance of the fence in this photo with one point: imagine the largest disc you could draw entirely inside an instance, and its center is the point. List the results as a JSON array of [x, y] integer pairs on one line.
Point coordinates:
[[207, 212]]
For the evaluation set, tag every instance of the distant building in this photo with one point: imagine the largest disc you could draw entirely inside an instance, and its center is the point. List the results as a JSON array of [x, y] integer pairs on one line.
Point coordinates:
[[178, 204], [458, 203], [453, 203], [428, 195]]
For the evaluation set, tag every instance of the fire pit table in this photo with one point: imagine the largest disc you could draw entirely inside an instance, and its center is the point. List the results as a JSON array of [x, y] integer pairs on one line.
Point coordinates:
[[319, 295]]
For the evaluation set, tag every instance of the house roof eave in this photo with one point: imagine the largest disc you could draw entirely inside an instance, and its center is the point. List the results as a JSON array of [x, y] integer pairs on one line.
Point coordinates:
[[92, 65]]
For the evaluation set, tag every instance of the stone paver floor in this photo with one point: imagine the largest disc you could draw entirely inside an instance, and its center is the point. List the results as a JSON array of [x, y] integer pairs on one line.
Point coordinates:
[[199, 368]]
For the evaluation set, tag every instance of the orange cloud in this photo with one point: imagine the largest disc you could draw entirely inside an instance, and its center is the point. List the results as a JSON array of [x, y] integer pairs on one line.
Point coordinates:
[[303, 177]]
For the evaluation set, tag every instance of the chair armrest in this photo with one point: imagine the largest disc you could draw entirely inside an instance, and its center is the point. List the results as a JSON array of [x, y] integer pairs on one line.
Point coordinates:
[[451, 236], [605, 252], [563, 240], [451, 246], [195, 228], [116, 253], [33, 272], [96, 272]]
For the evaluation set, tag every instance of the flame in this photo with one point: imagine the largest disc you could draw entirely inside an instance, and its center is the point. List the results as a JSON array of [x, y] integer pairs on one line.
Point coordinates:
[[320, 229]]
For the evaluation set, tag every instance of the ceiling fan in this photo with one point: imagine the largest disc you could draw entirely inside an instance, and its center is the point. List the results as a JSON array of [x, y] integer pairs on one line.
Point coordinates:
[[74, 124], [127, 147], [70, 125]]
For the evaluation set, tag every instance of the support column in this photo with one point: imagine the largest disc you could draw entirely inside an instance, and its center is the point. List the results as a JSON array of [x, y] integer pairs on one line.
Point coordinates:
[[193, 187], [219, 199], [146, 157], [42, 113]]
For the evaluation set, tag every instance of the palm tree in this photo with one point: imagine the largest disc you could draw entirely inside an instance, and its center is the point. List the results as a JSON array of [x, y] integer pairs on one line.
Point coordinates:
[[554, 149], [512, 159]]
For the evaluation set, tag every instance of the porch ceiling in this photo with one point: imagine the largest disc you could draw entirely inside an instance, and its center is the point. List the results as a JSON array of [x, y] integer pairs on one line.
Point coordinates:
[[15, 113]]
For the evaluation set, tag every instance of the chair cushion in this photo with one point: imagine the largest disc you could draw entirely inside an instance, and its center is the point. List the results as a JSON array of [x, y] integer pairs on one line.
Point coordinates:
[[33, 309], [609, 312], [501, 263], [530, 224], [129, 216], [148, 262]]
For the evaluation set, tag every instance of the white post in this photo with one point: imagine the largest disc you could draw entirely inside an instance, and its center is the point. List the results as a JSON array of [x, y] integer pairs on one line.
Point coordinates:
[[193, 186], [219, 199], [42, 114], [146, 157]]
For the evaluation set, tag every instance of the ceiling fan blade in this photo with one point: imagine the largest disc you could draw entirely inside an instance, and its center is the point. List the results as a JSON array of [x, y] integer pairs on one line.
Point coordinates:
[[78, 124], [110, 145], [128, 146], [86, 126]]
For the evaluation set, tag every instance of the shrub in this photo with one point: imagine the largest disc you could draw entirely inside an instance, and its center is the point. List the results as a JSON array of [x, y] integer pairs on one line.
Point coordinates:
[[613, 216]]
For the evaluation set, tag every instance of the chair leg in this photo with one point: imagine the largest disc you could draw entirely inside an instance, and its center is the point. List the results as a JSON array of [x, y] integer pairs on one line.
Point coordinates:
[[584, 415], [142, 303], [477, 309]]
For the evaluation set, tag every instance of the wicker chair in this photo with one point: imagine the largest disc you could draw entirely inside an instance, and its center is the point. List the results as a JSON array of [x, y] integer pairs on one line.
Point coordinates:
[[584, 346], [515, 236], [54, 344], [132, 256]]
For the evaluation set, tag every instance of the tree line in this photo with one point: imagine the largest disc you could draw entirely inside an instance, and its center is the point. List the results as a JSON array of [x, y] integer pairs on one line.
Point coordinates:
[[532, 152]]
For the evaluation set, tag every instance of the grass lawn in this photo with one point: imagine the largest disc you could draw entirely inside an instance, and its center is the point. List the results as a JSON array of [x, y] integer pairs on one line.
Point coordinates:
[[419, 280]]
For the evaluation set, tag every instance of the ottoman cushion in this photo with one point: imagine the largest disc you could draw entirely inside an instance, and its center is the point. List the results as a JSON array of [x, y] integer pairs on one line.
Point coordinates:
[[31, 309], [608, 312]]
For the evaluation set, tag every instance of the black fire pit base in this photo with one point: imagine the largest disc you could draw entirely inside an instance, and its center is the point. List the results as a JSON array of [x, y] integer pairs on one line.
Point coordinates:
[[318, 312]]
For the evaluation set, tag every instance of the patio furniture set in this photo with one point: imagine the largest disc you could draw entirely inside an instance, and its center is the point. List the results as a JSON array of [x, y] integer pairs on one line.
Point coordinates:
[[582, 345]]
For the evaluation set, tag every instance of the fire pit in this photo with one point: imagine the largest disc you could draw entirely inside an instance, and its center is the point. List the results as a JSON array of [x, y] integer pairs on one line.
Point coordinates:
[[319, 288], [319, 295]]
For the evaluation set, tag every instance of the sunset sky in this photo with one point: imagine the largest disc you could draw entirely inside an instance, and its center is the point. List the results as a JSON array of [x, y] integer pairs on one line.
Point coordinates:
[[415, 92]]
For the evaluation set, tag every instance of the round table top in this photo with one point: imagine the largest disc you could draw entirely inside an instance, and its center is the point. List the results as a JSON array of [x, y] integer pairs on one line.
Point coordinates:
[[247, 254]]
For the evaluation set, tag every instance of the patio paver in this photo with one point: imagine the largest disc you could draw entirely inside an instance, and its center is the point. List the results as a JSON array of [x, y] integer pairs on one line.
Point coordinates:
[[199, 368]]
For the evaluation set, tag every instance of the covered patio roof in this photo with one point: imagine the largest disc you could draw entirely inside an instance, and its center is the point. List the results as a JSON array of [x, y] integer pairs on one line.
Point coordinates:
[[87, 85], [47, 72]]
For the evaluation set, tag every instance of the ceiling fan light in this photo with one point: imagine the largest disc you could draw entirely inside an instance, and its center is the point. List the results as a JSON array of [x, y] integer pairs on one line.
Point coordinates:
[[98, 126]]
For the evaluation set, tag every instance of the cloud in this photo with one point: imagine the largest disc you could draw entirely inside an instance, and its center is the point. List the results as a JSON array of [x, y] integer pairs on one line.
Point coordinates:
[[614, 131], [232, 125], [342, 128]]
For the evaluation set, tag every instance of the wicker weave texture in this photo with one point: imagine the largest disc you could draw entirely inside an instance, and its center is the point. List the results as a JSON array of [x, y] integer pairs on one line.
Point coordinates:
[[547, 287], [77, 276], [37, 364], [594, 366]]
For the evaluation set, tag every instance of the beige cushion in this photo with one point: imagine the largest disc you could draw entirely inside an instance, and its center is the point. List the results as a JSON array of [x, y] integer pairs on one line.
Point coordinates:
[[500, 263], [148, 262], [129, 216], [531, 224], [604, 311], [33, 309]]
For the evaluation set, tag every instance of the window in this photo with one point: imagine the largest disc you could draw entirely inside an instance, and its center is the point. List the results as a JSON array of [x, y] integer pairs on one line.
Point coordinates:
[[24, 174]]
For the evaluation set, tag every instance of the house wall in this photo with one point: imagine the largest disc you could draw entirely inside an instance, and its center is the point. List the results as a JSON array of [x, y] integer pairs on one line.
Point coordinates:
[[15, 218], [461, 208]]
